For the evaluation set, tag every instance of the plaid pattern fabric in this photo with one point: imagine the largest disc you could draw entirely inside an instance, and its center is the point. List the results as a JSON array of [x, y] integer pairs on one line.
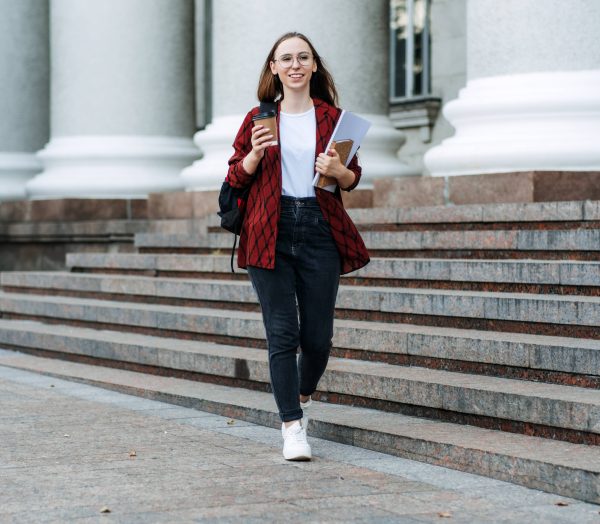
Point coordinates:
[[259, 232]]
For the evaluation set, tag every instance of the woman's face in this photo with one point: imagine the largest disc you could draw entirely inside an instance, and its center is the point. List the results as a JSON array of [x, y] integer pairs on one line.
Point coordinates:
[[294, 63]]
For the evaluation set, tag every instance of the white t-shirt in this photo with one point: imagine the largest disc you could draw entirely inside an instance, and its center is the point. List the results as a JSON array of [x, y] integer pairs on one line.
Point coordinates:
[[298, 137]]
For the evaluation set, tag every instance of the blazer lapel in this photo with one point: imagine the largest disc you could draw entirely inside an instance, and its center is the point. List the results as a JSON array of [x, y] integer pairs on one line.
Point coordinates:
[[325, 124], [272, 158]]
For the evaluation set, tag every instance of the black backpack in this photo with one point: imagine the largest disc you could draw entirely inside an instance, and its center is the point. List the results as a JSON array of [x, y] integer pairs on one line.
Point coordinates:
[[232, 200], [232, 204]]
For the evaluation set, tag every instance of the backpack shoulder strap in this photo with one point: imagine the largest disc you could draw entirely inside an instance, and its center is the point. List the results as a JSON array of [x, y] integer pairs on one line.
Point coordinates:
[[233, 251]]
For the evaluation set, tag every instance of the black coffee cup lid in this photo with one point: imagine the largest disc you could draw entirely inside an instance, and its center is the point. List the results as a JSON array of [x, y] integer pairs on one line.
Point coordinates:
[[264, 114]]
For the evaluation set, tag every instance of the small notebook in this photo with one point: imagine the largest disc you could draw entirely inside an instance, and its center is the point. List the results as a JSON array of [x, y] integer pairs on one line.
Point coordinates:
[[347, 136]]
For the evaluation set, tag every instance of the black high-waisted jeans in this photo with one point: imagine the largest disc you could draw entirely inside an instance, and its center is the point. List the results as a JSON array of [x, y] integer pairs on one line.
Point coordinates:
[[297, 299]]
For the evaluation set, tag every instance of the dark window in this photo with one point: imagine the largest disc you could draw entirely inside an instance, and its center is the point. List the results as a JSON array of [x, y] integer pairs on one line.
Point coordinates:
[[409, 49]]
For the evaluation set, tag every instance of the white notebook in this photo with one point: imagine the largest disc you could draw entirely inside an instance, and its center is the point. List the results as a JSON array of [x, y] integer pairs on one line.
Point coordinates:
[[349, 127]]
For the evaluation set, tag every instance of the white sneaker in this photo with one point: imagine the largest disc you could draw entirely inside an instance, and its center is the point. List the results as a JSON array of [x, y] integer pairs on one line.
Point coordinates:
[[295, 446]]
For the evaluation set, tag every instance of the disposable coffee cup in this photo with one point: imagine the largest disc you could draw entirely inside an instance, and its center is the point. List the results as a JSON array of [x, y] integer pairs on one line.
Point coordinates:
[[269, 120]]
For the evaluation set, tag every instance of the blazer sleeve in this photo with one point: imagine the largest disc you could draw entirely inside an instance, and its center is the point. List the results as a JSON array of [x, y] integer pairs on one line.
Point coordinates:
[[242, 145], [354, 166]]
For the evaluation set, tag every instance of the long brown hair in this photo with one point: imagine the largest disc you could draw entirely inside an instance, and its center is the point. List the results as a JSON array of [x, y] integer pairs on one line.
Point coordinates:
[[321, 83]]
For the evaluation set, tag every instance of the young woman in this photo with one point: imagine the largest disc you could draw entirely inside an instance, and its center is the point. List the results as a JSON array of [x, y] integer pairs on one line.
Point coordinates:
[[296, 239]]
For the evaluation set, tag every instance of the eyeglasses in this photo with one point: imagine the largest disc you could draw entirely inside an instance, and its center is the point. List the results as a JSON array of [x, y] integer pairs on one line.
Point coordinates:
[[286, 61]]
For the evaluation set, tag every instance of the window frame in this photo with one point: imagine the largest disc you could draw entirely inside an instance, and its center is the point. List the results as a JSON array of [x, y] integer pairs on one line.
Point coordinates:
[[410, 55]]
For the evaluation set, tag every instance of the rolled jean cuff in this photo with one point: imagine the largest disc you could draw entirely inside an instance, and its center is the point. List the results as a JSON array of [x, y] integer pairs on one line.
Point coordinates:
[[291, 415], [304, 394]]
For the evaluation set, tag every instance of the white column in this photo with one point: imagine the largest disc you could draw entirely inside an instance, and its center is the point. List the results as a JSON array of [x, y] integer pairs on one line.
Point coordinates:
[[24, 92], [202, 60], [353, 38], [122, 95], [532, 100]]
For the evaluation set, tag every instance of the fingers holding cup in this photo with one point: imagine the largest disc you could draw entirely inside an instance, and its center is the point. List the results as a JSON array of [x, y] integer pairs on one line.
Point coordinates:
[[261, 139]]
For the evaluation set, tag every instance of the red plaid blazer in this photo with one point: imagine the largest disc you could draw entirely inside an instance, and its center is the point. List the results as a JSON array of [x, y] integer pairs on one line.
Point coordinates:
[[259, 231]]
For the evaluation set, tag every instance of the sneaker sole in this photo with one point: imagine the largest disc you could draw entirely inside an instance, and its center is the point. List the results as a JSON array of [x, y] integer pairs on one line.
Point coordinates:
[[299, 458]]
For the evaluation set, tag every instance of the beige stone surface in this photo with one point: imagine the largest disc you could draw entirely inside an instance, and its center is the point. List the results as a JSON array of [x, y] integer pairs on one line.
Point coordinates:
[[490, 189], [358, 198], [170, 205], [408, 192], [560, 185]]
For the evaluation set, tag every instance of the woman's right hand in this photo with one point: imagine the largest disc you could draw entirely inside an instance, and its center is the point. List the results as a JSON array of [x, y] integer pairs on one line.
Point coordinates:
[[261, 139]]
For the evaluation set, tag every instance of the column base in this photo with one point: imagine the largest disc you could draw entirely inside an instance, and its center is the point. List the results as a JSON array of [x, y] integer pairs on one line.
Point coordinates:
[[111, 166], [379, 150], [215, 142], [15, 170], [527, 122]]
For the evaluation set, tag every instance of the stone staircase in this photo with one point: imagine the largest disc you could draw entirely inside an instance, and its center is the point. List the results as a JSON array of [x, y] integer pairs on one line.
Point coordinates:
[[472, 340]]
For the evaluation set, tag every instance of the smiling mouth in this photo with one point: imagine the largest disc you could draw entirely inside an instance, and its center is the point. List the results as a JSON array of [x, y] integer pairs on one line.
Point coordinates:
[[296, 75]]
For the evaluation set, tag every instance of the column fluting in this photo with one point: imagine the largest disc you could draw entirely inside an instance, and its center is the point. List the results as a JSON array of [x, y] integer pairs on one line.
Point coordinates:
[[122, 97], [24, 92]]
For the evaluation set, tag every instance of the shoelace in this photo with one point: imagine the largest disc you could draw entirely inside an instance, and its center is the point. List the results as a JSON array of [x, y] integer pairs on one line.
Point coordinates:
[[297, 435]]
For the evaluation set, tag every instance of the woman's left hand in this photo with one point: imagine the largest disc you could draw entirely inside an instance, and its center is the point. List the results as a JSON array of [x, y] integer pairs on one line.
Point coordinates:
[[330, 164]]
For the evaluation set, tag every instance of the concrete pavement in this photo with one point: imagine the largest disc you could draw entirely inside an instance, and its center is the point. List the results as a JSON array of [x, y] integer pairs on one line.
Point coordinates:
[[73, 452]]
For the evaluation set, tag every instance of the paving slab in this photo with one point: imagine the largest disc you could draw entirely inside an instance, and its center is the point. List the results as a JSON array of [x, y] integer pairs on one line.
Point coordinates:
[[186, 470], [559, 467]]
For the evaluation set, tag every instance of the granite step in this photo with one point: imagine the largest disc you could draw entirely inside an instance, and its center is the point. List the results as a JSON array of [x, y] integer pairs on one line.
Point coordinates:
[[540, 212], [563, 412], [522, 240], [578, 244], [558, 315], [561, 360], [496, 275], [24, 231], [558, 467]]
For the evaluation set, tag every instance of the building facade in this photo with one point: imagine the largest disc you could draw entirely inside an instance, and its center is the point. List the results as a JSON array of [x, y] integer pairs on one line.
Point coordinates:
[[122, 98]]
